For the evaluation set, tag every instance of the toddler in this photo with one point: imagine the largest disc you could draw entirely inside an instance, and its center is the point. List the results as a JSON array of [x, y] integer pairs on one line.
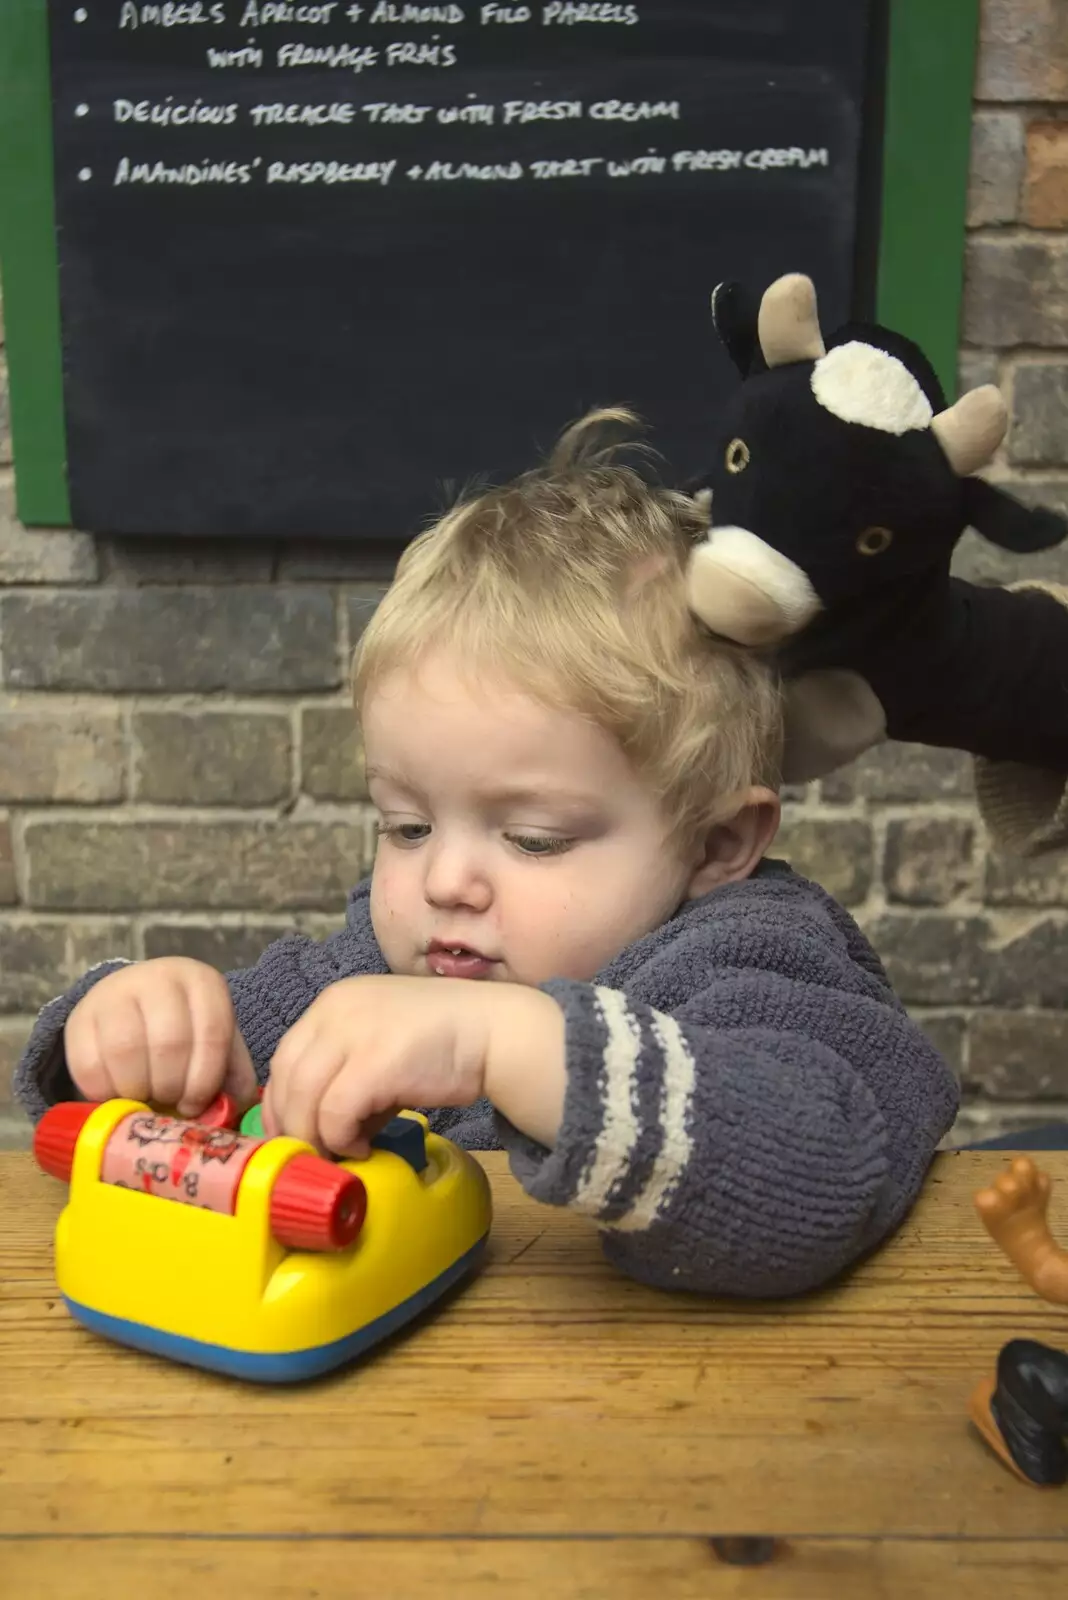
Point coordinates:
[[571, 944]]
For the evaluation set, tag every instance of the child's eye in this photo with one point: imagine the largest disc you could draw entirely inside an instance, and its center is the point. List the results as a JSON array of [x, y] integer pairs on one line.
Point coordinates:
[[403, 832], [539, 844], [531, 844]]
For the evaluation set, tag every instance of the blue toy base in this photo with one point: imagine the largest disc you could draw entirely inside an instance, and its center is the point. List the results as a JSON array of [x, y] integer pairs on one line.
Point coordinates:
[[287, 1366]]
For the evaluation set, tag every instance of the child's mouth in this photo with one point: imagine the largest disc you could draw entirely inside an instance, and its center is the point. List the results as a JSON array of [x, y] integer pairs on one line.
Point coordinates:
[[457, 961]]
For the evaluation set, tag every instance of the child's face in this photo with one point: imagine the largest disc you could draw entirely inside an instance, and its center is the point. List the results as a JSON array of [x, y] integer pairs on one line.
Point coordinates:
[[511, 830]]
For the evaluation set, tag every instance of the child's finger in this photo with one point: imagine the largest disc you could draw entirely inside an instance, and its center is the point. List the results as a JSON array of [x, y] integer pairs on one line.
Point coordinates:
[[210, 1014], [351, 1113], [268, 1116], [124, 1049], [301, 1088], [241, 1080], [85, 1058], [170, 1032]]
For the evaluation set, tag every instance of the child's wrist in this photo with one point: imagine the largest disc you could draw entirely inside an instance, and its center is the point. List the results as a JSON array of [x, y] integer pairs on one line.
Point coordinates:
[[525, 1068]]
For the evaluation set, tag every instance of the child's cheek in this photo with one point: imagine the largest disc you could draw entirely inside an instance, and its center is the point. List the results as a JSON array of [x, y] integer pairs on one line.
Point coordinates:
[[389, 900]]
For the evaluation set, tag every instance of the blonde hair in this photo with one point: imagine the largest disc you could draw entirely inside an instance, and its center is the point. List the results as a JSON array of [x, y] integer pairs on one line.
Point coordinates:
[[570, 582]]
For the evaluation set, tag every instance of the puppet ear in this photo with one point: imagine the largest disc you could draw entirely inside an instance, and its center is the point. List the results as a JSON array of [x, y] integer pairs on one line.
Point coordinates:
[[970, 431], [831, 717], [789, 324], [734, 317], [1005, 522]]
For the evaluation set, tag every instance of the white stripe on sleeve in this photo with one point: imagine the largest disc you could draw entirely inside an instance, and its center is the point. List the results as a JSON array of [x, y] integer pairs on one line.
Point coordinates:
[[676, 1145], [615, 1144]]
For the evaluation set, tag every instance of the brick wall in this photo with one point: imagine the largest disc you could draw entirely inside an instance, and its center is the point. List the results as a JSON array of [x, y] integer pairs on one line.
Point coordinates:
[[178, 772]]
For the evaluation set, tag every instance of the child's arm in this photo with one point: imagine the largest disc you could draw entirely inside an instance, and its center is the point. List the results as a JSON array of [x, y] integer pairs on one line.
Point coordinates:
[[731, 1159]]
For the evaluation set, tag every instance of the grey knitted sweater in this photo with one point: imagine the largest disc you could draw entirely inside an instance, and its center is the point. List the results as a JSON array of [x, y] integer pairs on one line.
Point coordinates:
[[748, 1107]]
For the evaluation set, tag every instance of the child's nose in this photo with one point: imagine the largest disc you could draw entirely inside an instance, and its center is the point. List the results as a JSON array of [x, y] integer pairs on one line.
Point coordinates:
[[456, 874]]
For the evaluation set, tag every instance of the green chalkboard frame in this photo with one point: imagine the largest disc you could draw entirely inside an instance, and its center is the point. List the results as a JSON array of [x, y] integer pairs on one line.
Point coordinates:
[[927, 132], [926, 142], [29, 268]]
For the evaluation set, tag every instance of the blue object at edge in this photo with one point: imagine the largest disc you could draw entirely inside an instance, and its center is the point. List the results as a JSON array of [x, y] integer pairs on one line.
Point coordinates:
[[405, 1137], [288, 1366], [1050, 1136]]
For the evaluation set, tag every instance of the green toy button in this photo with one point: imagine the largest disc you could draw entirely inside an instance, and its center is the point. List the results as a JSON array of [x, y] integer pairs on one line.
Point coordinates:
[[252, 1122]]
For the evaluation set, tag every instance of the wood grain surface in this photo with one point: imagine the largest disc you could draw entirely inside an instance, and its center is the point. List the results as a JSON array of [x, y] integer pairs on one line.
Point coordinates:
[[554, 1430]]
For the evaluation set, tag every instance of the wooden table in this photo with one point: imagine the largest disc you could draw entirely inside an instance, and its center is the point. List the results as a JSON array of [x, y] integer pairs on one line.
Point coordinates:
[[555, 1431]]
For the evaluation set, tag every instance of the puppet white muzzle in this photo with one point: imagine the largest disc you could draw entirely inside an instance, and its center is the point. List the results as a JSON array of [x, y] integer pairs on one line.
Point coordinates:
[[743, 589]]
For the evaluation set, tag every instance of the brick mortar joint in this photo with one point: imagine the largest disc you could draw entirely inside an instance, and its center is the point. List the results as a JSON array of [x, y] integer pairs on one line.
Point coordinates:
[[1039, 355], [820, 810], [129, 756], [877, 892], [296, 756], [87, 586], [875, 810], [1016, 472], [1021, 107], [141, 811], [984, 1106], [168, 701], [1017, 232], [982, 1013], [1006, 924]]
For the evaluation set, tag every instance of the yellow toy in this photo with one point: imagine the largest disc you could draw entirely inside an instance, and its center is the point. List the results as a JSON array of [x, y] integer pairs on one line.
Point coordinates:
[[250, 1256]]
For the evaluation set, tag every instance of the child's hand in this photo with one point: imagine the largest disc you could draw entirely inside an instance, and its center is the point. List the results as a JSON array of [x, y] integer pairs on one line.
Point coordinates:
[[161, 1031], [368, 1047]]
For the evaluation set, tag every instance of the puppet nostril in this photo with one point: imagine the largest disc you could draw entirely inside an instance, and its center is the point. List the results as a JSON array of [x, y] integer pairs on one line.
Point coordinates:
[[873, 541], [737, 456]]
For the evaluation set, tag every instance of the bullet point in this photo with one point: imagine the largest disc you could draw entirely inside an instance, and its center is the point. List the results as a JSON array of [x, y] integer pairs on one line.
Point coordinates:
[[85, 174], [81, 15], [82, 110]]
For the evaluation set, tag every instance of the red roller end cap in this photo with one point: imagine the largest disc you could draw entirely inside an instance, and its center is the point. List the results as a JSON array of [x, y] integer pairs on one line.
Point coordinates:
[[316, 1206], [222, 1113], [57, 1133]]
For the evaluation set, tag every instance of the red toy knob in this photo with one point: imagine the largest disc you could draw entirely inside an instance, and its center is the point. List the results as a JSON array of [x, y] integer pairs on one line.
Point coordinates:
[[221, 1113], [316, 1206], [57, 1133]]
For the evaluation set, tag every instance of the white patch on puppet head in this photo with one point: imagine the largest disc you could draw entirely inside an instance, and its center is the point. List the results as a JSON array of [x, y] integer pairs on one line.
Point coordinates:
[[861, 383]]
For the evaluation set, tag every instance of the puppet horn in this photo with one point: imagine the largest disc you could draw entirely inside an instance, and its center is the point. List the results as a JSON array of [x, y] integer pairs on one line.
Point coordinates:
[[789, 324], [970, 431]]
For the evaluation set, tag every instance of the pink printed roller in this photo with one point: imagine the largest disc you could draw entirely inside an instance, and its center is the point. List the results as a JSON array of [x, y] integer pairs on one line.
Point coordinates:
[[315, 1205]]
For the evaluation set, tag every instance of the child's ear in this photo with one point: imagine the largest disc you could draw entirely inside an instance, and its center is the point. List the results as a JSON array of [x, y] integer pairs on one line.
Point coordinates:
[[733, 849]]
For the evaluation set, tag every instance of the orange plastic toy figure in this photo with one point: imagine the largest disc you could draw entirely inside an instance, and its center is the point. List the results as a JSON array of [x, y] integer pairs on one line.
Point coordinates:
[[1022, 1412]]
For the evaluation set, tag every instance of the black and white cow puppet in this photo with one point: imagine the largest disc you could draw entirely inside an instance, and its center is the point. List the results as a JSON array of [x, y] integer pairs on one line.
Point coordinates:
[[839, 489]]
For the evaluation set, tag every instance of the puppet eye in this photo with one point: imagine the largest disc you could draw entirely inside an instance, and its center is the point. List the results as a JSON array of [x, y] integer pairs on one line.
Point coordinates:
[[737, 456], [873, 541]]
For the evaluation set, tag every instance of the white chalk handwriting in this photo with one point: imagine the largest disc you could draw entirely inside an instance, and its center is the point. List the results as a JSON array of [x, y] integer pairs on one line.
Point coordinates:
[[169, 114], [173, 14]]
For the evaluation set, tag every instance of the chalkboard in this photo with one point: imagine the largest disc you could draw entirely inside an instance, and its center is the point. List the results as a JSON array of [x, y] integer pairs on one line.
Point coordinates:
[[320, 263]]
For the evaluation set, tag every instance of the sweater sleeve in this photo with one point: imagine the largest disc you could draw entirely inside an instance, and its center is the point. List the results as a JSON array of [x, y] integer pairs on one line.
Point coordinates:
[[739, 1160], [274, 994], [1024, 808], [268, 999]]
